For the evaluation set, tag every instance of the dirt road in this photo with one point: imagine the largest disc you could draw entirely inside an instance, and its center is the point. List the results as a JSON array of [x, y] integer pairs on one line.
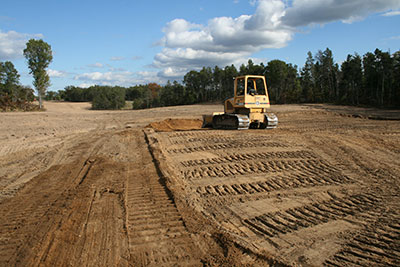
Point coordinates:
[[81, 187]]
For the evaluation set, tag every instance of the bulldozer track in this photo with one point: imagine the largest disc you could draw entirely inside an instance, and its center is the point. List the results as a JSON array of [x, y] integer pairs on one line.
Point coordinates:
[[278, 223], [377, 244], [249, 173], [303, 154], [218, 139], [275, 183], [214, 147], [156, 231], [310, 166]]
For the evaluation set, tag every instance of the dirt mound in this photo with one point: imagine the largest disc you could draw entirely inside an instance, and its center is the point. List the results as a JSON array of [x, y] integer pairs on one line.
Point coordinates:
[[170, 125]]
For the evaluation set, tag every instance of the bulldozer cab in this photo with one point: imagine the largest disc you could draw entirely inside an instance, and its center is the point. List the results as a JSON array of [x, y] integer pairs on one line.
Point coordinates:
[[250, 92], [249, 85]]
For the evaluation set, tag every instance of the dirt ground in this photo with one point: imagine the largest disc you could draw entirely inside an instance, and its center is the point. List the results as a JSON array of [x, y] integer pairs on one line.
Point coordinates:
[[150, 187]]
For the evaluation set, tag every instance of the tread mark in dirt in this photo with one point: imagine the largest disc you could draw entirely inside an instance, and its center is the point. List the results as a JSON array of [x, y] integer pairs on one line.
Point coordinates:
[[22, 219], [303, 154], [308, 166], [156, 231], [213, 147], [218, 139], [279, 182], [273, 224], [376, 245]]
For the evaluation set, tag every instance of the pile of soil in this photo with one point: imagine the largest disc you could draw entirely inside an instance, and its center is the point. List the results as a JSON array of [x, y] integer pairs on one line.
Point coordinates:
[[170, 125]]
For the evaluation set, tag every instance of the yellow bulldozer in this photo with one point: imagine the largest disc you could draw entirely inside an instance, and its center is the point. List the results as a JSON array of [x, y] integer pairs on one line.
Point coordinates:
[[246, 109]]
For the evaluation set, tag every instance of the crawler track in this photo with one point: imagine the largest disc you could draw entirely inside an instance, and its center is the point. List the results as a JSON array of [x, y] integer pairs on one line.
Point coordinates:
[[302, 196], [377, 244], [157, 233]]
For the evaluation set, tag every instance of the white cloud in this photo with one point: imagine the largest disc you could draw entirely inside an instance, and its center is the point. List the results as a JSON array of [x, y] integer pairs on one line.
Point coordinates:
[[267, 17], [117, 58], [123, 78], [86, 85], [394, 38], [391, 13], [145, 77], [226, 40], [13, 43], [253, 2], [306, 12], [96, 65], [55, 73], [113, 69], [223, 41]]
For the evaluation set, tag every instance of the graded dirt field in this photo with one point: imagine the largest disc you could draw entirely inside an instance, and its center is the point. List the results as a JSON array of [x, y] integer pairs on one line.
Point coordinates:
[[151, 188]]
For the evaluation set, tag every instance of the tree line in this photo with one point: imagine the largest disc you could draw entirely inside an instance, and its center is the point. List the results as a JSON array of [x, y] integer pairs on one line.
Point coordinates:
[[372, 79]]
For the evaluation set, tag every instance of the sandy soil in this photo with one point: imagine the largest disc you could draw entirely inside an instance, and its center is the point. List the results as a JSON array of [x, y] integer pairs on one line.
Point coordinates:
[[99, 188]]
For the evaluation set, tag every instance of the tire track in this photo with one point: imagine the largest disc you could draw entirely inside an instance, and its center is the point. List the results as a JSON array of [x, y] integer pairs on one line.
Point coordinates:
[[291, 220]]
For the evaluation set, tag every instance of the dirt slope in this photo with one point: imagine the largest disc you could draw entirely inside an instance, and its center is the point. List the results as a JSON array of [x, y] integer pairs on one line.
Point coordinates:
[[97, 188]]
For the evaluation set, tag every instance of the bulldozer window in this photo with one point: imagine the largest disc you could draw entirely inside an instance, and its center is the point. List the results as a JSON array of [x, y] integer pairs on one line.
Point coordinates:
[[260, 87], [240, 87], [251, 87]]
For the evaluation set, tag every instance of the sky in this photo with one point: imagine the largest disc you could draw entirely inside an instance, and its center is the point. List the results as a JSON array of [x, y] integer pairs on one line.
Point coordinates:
[[126, 43]]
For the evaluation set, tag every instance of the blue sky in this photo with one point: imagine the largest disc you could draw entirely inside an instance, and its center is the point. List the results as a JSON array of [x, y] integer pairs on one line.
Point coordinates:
[[125, 42]]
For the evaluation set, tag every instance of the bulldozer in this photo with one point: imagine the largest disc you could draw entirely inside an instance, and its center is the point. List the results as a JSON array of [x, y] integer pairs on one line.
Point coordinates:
[[246, 109]]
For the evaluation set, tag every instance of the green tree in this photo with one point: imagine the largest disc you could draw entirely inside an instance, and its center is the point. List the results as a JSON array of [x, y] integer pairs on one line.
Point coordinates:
[[205, 76], [326, 76], [25, 93], [307, 80], [351, 80], [51, 95], [9, 80], [370, 79], [74, 94], [396, 79], [106, 97], [251, 68], [230, 72], [276, 73], [135, 92], [292, 93], [384, 66], [39, 55], [217, 77], [192, 83], [172, 94], [2, 76]]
